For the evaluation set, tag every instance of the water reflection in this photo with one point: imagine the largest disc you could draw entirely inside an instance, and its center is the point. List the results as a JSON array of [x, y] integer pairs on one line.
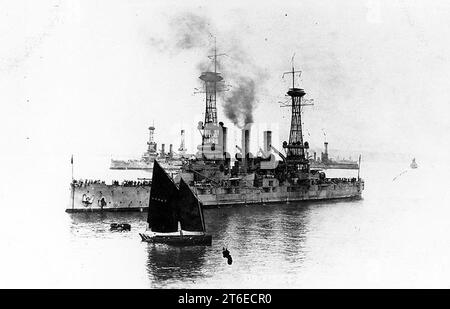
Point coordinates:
[[99, 217], [294, 226], [261, 239], [168, 263], [86, 223], [271, 230]]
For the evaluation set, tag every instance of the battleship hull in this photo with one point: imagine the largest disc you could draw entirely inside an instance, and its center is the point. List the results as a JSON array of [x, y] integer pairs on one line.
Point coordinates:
[[282, 194], [103, 197], [121, 198], [339, 166]]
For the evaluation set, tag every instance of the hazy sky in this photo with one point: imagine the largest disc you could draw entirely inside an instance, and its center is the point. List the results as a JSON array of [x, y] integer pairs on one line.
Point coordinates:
[[89, 77]]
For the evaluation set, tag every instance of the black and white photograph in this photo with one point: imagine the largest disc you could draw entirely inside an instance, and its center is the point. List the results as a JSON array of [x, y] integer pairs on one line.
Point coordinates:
[[224, 145]]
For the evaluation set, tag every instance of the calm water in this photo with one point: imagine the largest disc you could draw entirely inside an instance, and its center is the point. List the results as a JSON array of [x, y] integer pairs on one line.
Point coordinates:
[[398, 235]]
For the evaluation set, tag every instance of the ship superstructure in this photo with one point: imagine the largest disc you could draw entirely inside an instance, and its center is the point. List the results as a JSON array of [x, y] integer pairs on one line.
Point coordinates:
[[264, 179], [211, 159], [325, 162], [169, 160]]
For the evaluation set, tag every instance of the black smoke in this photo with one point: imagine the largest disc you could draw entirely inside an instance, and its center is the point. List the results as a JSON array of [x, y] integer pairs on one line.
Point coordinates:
[[189, 31], [240, 101], [245, 78]]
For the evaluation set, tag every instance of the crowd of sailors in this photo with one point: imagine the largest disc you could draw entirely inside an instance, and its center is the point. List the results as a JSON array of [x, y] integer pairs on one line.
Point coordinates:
[[86, 182], [337, 181], [131, 183], [138, 183], [345, 180], [125, 183], [333, 181]]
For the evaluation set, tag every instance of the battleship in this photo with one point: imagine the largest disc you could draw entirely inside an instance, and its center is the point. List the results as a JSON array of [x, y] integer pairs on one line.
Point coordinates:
[[325, 162], [220, 180], [170, 161]]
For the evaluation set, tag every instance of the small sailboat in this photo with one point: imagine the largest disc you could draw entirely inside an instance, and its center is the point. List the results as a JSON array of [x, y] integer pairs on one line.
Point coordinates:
[[413, 163], [175, 215]]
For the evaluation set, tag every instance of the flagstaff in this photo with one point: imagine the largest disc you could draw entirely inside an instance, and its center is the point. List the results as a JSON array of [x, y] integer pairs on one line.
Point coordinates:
[[72, 184]]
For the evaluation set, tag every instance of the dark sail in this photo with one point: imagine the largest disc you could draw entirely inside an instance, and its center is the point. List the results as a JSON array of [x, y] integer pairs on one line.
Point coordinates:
[[190, 210], [162, 210]]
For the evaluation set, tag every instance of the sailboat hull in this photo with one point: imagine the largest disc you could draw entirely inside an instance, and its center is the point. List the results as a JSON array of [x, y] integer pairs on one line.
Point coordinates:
[[179, 240]]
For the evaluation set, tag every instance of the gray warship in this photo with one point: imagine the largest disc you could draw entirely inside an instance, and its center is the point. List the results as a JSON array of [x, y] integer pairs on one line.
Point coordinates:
[[325, 162], [219, 180], [170, 161]]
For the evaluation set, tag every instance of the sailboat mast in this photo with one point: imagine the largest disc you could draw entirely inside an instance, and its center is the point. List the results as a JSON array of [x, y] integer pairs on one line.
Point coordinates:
[[200, 210]]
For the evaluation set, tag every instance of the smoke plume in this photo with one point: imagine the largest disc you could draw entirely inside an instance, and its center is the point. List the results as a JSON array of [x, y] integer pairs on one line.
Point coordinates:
[[186, 31], [239, 103], [245, 77], [190, 31]]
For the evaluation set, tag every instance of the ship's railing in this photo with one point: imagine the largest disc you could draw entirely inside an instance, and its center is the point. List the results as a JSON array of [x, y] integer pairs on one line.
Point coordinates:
[[125, 183], [86, 182], [343, 180]]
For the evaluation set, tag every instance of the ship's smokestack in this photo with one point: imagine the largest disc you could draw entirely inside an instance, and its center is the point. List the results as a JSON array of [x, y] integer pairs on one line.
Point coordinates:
[[314, 156], [171, 150], [245, 147], [163, 152], [223, 134], [267, 140], [325, 154], [182, 144]]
